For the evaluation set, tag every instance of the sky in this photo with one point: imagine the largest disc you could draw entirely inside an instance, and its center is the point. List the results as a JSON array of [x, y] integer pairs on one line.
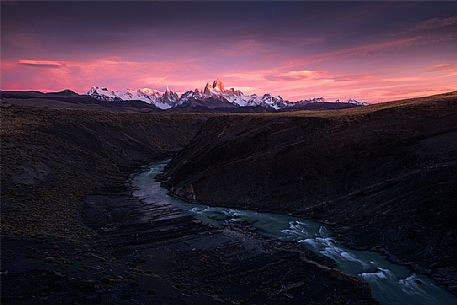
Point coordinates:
[[370, 51]]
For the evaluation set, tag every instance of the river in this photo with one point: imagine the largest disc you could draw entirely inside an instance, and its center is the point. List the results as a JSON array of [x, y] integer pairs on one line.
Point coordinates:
[[391, 284]]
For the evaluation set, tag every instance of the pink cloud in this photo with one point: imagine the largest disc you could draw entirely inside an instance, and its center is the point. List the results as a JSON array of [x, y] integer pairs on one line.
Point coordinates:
[[444, 67], [296, 75], [403, 79], [435, 23], [364, 49], [243, 47], [291, 82], [52, 75]]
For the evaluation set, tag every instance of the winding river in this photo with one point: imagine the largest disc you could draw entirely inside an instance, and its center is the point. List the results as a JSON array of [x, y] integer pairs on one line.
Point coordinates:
[[391, 284]]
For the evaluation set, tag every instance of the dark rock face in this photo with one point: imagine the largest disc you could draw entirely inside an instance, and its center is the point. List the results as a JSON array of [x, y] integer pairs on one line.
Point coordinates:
[[207, 104], [381, 176], [219, 84]]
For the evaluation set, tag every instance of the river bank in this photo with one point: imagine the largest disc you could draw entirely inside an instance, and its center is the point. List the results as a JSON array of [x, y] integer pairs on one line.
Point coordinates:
[[147, 251], [391, 284], [51, 160]]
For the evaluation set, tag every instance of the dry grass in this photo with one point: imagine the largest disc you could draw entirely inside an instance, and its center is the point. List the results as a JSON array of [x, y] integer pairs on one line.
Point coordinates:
[[51, 158]]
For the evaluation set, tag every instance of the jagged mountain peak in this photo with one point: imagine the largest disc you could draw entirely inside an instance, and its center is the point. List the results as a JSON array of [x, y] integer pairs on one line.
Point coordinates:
[[165, 100], [149, 91], [218, 85], [208, 89], [214, 91]]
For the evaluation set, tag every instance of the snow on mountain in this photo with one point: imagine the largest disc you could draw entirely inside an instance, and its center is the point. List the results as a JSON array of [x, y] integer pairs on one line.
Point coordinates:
[[323, 100], [355, 102], [215, 90], [166, 100], [314, 100], [103, 94], [169, 99], [237, 97], [269, 101], [218, 89]]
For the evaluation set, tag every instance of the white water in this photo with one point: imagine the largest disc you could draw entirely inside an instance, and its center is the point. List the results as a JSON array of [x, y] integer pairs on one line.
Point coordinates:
[[391, 284]]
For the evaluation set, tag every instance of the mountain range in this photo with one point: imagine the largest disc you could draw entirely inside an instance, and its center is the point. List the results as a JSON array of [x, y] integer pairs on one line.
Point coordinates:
[[216, 96]]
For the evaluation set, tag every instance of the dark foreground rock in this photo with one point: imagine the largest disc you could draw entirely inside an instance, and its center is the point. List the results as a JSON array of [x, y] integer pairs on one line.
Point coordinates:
[[382, 176], [73, 234]]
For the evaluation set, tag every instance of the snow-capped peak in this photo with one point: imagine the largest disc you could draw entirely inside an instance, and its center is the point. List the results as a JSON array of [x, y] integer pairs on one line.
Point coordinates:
[[355, 102], [216, 89], [150, 91], [323, 100], [102, 93], [161, 100]]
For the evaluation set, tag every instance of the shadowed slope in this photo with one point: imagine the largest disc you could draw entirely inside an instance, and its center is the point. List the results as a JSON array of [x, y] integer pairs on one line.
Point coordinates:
[[383, 176]]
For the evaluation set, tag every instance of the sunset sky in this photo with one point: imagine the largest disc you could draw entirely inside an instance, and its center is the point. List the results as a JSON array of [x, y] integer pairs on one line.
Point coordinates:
[[369, 51]]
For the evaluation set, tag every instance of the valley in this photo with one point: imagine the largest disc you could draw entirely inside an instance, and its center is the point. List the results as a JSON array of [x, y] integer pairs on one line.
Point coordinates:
[[381, 177], [76, 221], [228, 152]]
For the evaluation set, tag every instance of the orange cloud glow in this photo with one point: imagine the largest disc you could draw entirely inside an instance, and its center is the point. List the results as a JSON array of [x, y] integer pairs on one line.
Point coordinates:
[[372, 52]]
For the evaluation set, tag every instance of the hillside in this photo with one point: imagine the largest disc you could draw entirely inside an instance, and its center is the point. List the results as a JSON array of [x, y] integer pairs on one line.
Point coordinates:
[[381, 176], [52, 157], [73, 233]]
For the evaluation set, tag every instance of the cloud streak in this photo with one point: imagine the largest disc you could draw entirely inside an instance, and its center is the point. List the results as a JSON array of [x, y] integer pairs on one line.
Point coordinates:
[[40, 63]]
